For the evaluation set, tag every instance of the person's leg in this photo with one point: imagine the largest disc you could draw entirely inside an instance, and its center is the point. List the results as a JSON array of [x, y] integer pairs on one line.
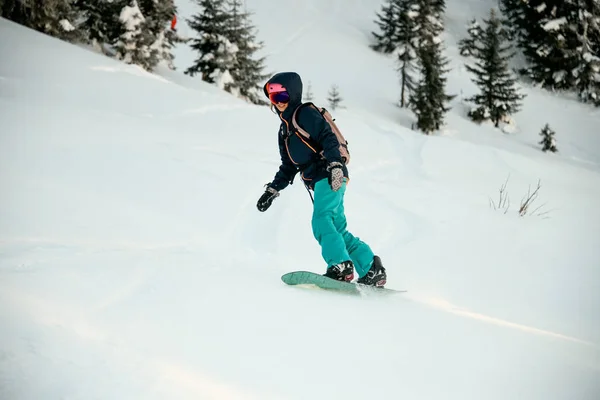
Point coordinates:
[[360, 252], [327, 206]]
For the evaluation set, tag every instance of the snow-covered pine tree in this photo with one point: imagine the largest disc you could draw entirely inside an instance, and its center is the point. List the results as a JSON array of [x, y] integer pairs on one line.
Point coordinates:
[[384, 41], [56, 18], [429, 98], [16, 10], [157, 19], [583, 26], [5, 6], [100, 21], [333, 97], [540, 29], [406, 41], [216, 54], [546, 44], [308, 93], [467, 45], [548, 141], [439, 6], [246, 74], [147, 7], [498, 97], [134, 45], [561, 42], [513, 18]]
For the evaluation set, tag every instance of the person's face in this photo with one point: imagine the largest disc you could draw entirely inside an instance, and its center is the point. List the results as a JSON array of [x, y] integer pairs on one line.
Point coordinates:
[[281, 106]]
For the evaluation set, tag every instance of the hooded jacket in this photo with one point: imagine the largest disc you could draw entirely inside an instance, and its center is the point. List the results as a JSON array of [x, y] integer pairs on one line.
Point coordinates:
[[297, 153]]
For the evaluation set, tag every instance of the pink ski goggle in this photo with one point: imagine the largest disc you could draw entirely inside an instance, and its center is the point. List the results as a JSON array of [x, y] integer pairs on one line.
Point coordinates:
[[277, 93]]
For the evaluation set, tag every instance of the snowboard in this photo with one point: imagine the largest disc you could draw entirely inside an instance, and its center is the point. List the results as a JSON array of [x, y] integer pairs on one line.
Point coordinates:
[[311, 279]]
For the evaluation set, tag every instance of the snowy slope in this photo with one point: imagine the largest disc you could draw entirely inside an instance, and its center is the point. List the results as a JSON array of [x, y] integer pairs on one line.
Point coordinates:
[[134, 264]]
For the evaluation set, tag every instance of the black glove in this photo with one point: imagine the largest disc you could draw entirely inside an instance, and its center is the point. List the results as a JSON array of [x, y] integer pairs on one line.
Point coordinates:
[[336, 175], [266, 199]]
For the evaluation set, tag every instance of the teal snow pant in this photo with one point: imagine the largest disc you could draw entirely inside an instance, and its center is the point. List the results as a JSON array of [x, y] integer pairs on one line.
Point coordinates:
[[330, 229]]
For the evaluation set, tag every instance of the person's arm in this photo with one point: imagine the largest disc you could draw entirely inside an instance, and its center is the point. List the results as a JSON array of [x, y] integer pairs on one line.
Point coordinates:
[[283, 177]]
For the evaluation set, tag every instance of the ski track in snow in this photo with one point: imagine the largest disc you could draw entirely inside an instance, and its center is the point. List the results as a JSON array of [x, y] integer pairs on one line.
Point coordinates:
[[446, 306], [414, 226], [408, 150]]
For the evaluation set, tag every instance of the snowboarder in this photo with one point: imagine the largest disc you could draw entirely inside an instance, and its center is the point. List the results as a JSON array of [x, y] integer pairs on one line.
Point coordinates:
[[323, 171]]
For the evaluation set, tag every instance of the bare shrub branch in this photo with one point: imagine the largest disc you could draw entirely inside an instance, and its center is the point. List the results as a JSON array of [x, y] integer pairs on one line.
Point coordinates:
[[528, 200], [503, 199]]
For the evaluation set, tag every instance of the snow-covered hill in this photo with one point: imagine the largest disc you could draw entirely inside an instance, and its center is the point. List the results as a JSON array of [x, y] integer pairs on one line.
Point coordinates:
[[134, 264]]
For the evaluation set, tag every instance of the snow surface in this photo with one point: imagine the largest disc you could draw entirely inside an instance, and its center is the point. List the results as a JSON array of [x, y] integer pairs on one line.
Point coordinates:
[[134, 264]]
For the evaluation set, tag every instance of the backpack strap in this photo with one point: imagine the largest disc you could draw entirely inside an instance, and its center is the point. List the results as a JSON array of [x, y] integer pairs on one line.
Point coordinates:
[[296, 125], [300, 132]]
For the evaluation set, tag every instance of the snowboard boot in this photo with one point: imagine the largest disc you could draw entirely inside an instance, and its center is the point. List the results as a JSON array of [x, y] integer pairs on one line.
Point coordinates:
[[343, 271], [376, 276]]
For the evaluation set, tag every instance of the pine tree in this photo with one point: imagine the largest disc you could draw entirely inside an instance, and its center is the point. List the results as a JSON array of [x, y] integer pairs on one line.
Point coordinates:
[[524, 22], [216, 54], [498, 97], [429, 98], [561, 42], [428, 22], [438, 6], [384, 41], [545, 44], [100, 21], [467, 45], [246, 74], [13, 10], [407, 47], [539, 26], [583, 27], [514, 22], [134, 45], [548, 141], [308, 94], [56, 18], [147, 7], [334, 99], [157, 19]]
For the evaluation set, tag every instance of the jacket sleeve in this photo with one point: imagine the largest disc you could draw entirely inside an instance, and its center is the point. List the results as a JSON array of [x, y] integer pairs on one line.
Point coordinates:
[[287, 169], [311, 120]]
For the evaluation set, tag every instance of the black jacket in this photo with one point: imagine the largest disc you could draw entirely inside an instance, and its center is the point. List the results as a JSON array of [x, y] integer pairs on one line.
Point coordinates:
[[299, 154]]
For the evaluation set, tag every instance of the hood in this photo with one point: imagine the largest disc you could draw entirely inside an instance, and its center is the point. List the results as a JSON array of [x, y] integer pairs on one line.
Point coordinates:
[[292, 82]]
